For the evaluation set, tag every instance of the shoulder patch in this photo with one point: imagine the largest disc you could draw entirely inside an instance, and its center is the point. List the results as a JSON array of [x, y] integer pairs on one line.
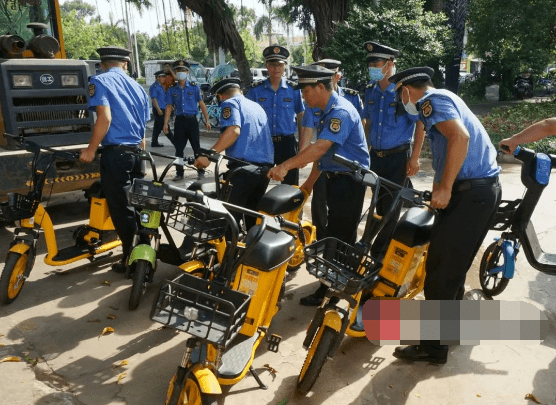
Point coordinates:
[[351, 91], [193, 83], [226, 112], [335, 125], [426, 109], [91, 90], [371, 85]]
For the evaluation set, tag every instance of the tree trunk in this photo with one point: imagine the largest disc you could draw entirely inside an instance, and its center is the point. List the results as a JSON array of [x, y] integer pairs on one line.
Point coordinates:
[[456, 10], [221, 31], [326, 15]]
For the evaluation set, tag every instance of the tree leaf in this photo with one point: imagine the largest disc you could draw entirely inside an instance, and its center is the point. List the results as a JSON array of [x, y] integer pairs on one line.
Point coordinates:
[[107, 330], [111, 316], [105, 282], [93, 320], [121, 364], [533, 398], [13, 359], [121, 377]]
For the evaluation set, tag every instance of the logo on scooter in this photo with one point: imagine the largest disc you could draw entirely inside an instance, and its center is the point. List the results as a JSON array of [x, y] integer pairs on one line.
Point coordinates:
[[47, 79], [145, 218]]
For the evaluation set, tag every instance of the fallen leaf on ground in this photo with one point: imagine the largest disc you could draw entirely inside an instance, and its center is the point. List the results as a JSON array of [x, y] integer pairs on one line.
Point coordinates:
[[390, 386], [1, 335], [2, 344], [272, 370], [10, 359], [479, 395], [405, 393], [93, 320], [106, 330], [121, 363], [105, 282], [111, 316], [417, 395], [533, 398], [114, 308], [121, 377], [33, 363]]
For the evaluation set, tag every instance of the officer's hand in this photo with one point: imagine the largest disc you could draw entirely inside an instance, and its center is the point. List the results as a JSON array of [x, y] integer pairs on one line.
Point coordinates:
[[307, 187], [201, 162], [87, 156], [208, 126], [165, 128], [277, 173], [509, 143], [160, 112], [413, 167], [441, 197]]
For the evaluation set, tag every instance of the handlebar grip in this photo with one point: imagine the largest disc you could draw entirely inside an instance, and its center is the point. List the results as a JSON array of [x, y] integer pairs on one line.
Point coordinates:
[[427, 195], [182, 192], [351, 164], [294, 226]]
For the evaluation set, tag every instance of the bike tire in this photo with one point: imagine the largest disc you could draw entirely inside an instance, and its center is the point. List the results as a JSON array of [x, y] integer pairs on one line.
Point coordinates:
[[142, 268], [11, 280], [299, 256], [316, 357], [214, 121], [193, 391], [491, 258]]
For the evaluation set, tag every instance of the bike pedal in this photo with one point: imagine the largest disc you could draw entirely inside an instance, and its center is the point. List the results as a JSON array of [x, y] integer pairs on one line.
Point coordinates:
[[274, 342]]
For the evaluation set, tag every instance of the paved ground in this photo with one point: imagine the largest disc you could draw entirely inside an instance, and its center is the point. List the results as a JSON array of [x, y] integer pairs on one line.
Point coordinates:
[[61, 312]]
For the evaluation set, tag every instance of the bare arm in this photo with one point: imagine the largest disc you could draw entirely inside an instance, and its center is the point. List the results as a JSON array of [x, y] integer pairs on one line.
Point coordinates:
[[104, 119], [205, 113], [533, 133], [313, 176], [227, 139], [299, 127], [305, 137], [310, 154], [155, 105], [167, 117], [413, 164], [367, 128], [458, 143]]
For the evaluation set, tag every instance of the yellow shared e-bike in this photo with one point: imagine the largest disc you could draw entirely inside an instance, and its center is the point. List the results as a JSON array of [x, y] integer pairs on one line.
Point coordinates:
[[32, 219]]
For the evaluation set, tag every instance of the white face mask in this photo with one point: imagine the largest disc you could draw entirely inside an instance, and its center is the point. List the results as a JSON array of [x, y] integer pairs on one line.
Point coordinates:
[[410, 107], [181, 76]]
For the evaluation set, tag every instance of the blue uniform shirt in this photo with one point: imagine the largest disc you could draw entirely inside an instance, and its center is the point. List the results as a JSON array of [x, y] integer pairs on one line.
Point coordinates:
[[254, 143], [128, 102], [157, 91], [281, 106], [184, 100], [312, 115], [443, 105], [387, 130], [353, 97], [341, 124]]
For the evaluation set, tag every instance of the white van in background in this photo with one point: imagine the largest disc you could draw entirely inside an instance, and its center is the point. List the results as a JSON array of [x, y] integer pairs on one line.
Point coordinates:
[[258, 74]]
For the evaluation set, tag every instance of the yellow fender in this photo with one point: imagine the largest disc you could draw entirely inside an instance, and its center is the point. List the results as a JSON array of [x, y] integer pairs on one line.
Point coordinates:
[[20, 248], [191, 266], [208, 383], [332, 320]]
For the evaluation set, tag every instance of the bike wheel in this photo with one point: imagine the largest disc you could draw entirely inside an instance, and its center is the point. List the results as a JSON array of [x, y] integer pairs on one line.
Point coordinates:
[[214, 121], [142, 268], [12, 280], [192, 392], [316, 357], [299, 256], [492, 284]]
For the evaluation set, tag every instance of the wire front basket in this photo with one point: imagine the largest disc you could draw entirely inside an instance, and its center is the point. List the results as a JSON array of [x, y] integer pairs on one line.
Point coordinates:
[[196, 221], [18, 207], [340, 266], [201, 308], [146, 194]]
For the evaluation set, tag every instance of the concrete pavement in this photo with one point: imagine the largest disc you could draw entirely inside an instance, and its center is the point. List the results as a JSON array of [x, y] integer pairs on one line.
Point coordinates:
[[58, 319]]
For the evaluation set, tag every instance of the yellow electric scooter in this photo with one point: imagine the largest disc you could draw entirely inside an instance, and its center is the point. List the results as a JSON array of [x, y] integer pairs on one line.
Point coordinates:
[[91, 240]]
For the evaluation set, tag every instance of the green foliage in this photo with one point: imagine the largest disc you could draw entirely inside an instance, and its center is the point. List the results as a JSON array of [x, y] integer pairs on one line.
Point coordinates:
[[511, 35], [301, 54], [504, 122], [474, 91], [422, 37], [82, 9]]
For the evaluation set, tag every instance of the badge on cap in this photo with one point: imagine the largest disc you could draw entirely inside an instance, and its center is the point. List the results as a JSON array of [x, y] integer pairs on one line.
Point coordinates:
[[335, 125], [227, 113], [426, 109], [91, 90], [276, 50], [369, 47]]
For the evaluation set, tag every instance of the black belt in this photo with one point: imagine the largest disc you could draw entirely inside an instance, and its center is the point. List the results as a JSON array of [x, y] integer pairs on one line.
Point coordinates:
[[334, 175], [187, 116], [130, 148], [280, 138], [464, 185], [386, 152]]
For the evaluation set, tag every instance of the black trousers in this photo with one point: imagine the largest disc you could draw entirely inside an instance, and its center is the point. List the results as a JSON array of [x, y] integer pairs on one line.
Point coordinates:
[[457, 235], [286, 147], [118, 168], [319, 208], [248, 186], [394, 168], [158, 127], [186, 128]]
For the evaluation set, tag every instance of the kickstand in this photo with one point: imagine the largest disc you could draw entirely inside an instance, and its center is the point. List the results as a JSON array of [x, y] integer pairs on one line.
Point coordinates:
[[257, 378]]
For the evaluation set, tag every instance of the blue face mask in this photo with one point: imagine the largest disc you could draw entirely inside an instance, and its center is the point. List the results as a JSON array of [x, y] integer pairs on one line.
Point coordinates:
[[375, 73], [181, 76]]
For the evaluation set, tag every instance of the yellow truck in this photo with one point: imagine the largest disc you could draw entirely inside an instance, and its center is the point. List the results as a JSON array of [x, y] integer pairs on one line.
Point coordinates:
[[43, 97]]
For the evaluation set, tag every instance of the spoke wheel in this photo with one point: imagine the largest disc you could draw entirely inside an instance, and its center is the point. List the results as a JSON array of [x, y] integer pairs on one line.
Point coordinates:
[[12, 280], [299, 256], [492, 284], [142, 268], [316, 357]]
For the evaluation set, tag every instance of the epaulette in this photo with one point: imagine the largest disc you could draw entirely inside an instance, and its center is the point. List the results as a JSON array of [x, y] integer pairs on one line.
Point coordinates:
[[350, 91], [193, 83], [371, 85], [291, 82], [257, 83]]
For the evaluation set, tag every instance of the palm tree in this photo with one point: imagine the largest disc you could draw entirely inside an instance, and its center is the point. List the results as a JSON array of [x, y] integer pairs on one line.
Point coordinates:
[[264, 23]]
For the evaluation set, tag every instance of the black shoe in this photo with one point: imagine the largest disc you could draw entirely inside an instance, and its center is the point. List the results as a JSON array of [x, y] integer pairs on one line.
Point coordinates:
[[118, 267], [157, 145], [418, 353]]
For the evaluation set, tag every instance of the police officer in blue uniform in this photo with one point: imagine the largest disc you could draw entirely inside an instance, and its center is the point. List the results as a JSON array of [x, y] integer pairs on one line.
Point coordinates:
[[310, 121], [466, 190], [122, 109], [185, 96], [282, 104], [158, 98], [245, 135], [390, 131], [339, 131]]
